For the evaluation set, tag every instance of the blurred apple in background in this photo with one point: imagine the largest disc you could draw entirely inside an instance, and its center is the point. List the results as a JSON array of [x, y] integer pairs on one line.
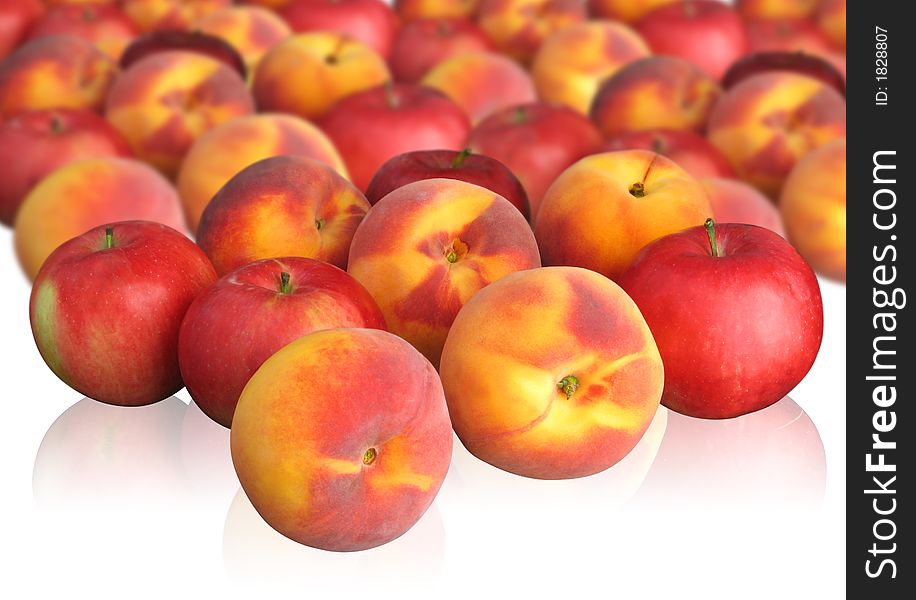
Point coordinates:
[[688, 149], [370, 21], [104, 25], [776, 9], [35, 143], [422, 44], [734, 201]]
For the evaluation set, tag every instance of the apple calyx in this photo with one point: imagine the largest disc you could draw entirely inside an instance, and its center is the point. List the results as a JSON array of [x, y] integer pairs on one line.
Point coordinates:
[[370, 456], [460, 158], [285, 287], [638, 190], [710, 226], [109, 237], [568, 385]]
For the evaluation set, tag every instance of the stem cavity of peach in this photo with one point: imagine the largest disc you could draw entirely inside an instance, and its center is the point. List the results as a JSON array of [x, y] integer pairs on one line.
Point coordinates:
[[710, 226], [370, 456], [319, 224], [109, 237], [285, 287], [638, 190], [455, 250], [568, 385]]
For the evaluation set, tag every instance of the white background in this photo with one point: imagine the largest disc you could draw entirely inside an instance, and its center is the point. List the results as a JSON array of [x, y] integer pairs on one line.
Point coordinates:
[[107, 502]]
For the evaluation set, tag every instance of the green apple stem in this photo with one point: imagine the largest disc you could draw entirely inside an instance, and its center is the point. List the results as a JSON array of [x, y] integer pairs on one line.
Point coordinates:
[[460, 158], [285, 287], [710, 226], [109, 237], [568, 385], [520, 115]]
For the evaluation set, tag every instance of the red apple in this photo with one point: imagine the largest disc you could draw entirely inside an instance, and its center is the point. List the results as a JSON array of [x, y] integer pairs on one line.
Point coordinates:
[[794, 62], [705, 32], [15, 19], [372, 126], [734, 201], [736, 313], [35, 143], [104, 25], [448, 164], [369, 21], [420, 45], [107, 305], [252, 312], [537, 142], [688, 149], [191, 41]]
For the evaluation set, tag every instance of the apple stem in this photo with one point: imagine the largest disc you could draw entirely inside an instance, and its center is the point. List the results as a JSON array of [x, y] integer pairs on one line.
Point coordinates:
[[710, 226], [568, 385], [460, 158], [109, 237], [391, 96], [285, 287], [57, 126], [520, 115]]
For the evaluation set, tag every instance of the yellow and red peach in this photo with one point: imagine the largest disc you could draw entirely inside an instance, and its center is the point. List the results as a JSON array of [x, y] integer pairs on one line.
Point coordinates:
[[86, 194], [734, 201], [426, 248], [55, 72], [105, 26], [551, 373], [605, 208], [334, 65], [228, 148], [161, 15], [831, 18], [251, 30], [765, 123], [519, 27], [412, 10], [481, 83], [283, 206], [572, 63], [628, 11], [353, 462], [167, 100], [813, 206], [658, 92], [776, 9]]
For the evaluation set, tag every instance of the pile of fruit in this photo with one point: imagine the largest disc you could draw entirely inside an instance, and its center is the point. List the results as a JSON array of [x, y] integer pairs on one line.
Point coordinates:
[[527, 221]]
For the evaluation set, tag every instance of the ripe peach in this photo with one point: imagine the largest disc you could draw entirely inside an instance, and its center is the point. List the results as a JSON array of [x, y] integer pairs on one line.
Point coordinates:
[[334, 65], [228, 148], [422, 44], [426, 248], [481, 83], [788, 36], [105, 26], [167, 100], [551, 373], [573, 62], [152, 15], [602, 210], [813, 205], [55, 72], [765, 123], [519, 27], [831, 18], [281, 207], [412, 10], [658, 92], [628, 11], [734, 201], [251, 30], [776, 9], [353, 462], [86, 194]]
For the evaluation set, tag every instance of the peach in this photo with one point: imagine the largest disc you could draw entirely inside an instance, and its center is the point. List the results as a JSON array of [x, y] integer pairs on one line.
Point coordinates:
[[734, 201], [272, 4], [628, 11], [164, 102], [353, 462], [605, 208], [573, 62], [152, 15], [519, 27], [334, 65], [422, 44], [658, 92], [776, 9], [551, 373], [251, 30], [813, 205], [831, 18], [411, 10], [228, 148], [788, 36], [481, 83], [765, 123], [85, 194], [426, 248], [55, 72], [105, 26], [283, 206]]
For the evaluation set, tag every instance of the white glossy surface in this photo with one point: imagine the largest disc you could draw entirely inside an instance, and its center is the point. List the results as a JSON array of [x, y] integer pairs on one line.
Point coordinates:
[[105, 502]]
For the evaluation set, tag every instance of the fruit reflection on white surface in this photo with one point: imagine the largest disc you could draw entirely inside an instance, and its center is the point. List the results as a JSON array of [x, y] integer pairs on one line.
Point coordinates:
[[773, 457], [254, 552], [206, 457], [101, 457]]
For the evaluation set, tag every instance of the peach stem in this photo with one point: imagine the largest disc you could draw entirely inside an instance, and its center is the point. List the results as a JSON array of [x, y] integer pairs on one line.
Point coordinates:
[[568, 385], [710, 226], [369, 456], [637, 190]]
